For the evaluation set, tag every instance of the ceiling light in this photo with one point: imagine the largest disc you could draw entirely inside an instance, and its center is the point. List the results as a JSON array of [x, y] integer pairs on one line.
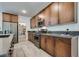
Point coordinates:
[[57, 7], [24, 11], [41, 16]]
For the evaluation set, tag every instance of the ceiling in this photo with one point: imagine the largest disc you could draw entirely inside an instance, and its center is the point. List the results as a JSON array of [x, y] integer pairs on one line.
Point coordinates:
[[32, 8]]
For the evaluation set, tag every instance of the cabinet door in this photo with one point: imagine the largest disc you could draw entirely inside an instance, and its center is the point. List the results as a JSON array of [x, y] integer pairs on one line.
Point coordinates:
[[54, 14], [36, 21], [33, 22], [66, 12], [6, 17], [43, 42], [31, 36], [41, 17], [62, 49], [50, 45], [47, 16], [14, 18]]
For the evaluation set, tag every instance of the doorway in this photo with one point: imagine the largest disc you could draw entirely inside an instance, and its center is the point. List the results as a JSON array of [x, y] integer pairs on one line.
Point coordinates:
[[22, 32]]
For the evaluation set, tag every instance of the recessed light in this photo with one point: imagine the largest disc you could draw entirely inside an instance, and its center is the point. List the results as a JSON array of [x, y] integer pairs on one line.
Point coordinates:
[[41, 16], [24, 11]]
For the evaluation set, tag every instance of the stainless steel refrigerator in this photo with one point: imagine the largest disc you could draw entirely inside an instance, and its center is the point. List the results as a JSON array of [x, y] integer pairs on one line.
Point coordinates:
[[14, 30], [11, 28]]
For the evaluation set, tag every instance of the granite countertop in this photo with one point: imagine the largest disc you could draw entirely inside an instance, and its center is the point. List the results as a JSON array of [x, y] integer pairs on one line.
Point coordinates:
[[63, 34], [58, 35], [5, 35]]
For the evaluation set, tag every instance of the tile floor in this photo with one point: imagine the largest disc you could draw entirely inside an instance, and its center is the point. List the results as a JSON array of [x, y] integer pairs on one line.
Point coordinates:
[[22, 38], [28, 49]]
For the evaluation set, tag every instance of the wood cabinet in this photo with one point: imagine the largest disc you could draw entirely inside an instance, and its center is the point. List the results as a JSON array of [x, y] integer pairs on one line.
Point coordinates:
[[56, 46], [43, 42], [31, 36], [54, 14], [36, 21], [14, 18], [57, 13], [66, 12], [41, 19], [47, 16], [33, 22], [47, 44], [62, 49], [50, 45], [6, 17]]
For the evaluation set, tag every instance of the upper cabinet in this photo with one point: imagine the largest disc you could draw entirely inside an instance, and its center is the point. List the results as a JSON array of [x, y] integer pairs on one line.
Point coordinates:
[[54, 14], [33, 22], [7, 17], [14, 18], [47, 16], [66, 12], [57, 13]]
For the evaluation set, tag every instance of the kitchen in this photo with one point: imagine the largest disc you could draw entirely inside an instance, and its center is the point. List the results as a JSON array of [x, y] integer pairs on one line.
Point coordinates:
[[52, 29], [55, 42]]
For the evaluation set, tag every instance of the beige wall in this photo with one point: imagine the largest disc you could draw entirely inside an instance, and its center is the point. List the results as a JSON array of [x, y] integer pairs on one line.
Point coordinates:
[[0, 21]]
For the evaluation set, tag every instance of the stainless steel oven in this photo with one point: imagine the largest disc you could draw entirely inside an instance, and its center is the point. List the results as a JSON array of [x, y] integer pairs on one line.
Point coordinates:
[[37, 39]]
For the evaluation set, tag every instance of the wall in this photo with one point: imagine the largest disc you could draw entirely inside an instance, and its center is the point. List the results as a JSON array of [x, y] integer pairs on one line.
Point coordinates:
[[23, 20], [63, 27], [0, 21]]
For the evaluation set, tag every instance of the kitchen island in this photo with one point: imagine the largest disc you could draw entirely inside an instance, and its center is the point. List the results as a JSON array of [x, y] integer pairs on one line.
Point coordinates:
[[5, 43]]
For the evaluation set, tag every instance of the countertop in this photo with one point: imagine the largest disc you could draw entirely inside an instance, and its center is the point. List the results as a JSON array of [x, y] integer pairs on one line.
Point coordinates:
[[59, 35], [5, 43], [6, 35]]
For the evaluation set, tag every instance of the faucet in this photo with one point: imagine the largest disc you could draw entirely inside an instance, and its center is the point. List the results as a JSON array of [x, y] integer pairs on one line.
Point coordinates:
[[67, 31]]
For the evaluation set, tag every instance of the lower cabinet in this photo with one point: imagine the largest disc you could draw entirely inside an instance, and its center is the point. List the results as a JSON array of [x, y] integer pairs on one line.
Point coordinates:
[[47, 44], [50, 44], [31, 36], [59, 47], [43, 42], [62, 49]]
